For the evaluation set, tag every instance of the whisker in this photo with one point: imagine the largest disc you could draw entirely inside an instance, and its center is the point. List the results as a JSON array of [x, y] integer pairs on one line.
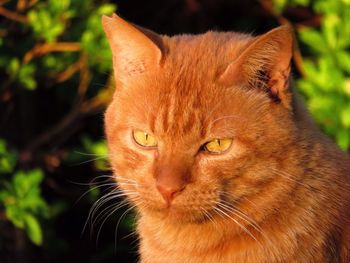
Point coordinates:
[[90, 154], [237, 212], [100, 228], [89, 161], [289, 177], [245, 218], [99, 217], [228, 206], [92, 182], [107, 199], [117, 226], [208, 216], [94, 207], [110, 185], [239, 224]]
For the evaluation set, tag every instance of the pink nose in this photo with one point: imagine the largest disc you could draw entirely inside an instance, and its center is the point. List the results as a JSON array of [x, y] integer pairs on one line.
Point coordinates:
[[169, 191]]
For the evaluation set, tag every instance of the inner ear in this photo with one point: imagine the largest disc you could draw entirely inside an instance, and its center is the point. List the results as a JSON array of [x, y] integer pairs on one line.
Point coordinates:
[[263, 81], [264, 65]]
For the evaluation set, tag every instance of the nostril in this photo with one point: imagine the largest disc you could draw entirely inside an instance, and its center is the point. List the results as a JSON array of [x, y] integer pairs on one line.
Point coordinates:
[[169, 192], [170, 181]]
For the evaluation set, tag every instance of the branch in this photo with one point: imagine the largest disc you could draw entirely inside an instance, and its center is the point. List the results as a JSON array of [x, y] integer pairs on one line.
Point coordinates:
[[2, 2], [68, 73], [102, 99], [44, 48], [85, 77], [3, 216], [49, 134], [82, 66], [96, 104], [21, 5], [12, 15], [3, 33]]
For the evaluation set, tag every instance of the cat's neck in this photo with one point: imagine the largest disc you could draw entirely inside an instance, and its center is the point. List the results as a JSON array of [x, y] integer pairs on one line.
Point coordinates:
[[204, 242]]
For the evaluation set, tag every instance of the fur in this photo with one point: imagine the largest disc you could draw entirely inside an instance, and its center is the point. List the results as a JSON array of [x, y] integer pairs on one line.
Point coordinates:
[[281, 193]]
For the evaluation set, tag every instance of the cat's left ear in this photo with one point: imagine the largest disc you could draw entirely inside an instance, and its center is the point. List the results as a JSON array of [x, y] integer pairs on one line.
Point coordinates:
[[136, 50], [265, 64]]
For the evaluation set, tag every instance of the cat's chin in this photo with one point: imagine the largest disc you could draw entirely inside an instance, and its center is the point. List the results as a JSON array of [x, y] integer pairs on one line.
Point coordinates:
[[178, 216]]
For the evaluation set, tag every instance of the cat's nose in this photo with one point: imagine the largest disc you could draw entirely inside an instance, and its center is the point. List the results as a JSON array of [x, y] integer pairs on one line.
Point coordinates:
[[168, 192], [170, 181]]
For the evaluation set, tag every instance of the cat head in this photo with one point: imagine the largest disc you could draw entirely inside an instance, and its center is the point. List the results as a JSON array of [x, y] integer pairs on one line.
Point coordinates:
[[196, 119]]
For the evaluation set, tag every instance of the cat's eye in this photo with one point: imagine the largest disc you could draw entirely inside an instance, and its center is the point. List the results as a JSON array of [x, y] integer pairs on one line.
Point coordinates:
[[144, 139], [218, 145]]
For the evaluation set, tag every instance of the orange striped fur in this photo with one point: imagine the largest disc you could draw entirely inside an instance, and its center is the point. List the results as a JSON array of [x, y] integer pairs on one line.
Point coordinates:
[[281, 193]]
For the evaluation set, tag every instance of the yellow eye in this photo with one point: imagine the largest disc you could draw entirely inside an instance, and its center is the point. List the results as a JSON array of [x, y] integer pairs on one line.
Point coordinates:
[[144, 139], [218, 145]]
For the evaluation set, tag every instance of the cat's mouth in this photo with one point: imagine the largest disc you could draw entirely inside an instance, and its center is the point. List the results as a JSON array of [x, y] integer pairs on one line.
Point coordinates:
[[196, 208], [181, 214]]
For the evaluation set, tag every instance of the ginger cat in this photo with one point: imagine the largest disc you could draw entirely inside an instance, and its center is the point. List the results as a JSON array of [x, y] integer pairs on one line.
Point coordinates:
[[211, 144]]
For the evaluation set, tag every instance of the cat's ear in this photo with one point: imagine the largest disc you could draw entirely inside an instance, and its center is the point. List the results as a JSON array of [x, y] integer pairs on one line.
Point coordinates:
[[265, 64], [135, 50]]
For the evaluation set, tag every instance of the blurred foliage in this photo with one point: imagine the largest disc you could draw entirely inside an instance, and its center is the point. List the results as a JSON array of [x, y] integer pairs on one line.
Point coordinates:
[[24, 204], [54, 67], [327, 65], [75, 23], [8, 158], [98, 149], [53, 43]]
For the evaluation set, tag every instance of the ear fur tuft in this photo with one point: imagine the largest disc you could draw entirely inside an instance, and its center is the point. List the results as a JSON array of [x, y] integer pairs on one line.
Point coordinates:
[[264, 64], [135, 51]]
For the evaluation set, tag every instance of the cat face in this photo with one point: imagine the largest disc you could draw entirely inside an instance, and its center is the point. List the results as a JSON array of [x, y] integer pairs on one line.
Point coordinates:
[[186, 130]]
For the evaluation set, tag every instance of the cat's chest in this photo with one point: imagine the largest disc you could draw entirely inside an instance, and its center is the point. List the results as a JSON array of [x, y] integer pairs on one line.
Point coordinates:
[[194, 247], [161, 245], [228, 253], [154, 254]]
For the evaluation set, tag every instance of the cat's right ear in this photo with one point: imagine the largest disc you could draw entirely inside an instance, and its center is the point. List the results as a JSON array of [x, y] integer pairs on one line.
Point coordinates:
[[135, 50], [265, 65]]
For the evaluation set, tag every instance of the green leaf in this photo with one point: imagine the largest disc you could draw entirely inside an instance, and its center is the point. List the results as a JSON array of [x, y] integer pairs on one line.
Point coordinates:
[[33, 229], [14, 213], [329, 29], [94, 193], [301, 2], [346, 87], [5, 165], [128, 222], [313, 39], [2, 146], [345, 116], [307, 87], [48, 19], [99, 152], [326, 7], [24, 182], [343, 59], [13, 67], [343, 138], [8, 158], [58, 6], [279, 5], [106, 9], [26, 76]]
